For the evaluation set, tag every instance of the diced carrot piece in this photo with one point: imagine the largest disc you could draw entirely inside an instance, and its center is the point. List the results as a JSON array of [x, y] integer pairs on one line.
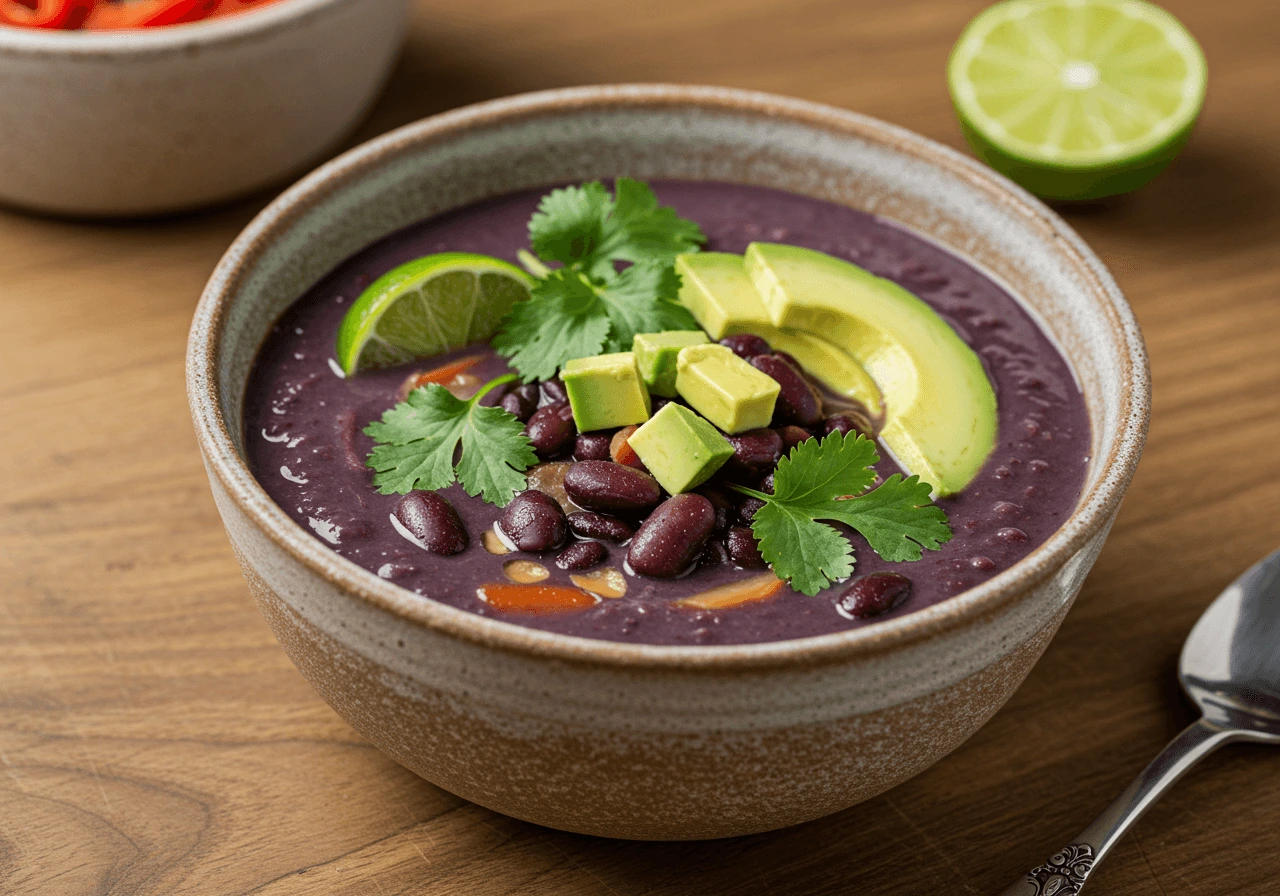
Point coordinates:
[[735, 594], [535, 600]]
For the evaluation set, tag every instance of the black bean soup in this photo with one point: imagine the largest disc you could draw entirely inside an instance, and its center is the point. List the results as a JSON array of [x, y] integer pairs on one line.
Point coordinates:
[[303, 425]]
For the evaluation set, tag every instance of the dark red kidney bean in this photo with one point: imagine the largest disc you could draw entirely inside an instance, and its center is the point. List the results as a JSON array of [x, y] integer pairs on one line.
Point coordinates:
[[589, 524], [790, 359], [793, 436], [754, 451], [766, 484], [743, 550], [519, 404], [875, 594], [797, 401], [724, 507], [746, 345], [1011, 535], [604, 485], [591, 446], [672, 537], [551, 429], [534, 522], [747, 509], [431, 519], [841, 423], [583, 555], [553, 391], [714, 554]]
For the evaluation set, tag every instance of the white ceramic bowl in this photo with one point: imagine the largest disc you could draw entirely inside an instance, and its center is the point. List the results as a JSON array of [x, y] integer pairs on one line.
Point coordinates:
[[158, 120], [632, 740]]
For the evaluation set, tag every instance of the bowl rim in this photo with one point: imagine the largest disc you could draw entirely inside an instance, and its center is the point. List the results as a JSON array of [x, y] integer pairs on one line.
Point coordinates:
[[1092, 514], [170, 39]]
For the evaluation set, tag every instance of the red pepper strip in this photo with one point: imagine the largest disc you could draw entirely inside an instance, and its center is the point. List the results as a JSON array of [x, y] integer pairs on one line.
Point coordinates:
[[66, 15], [179, 12]]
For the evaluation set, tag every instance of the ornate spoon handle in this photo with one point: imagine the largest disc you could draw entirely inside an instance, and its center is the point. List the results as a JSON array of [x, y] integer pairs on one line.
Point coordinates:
[[1066, 872]]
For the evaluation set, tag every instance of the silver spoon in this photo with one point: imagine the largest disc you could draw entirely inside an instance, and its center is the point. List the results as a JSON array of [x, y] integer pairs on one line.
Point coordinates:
[[1230, 667]]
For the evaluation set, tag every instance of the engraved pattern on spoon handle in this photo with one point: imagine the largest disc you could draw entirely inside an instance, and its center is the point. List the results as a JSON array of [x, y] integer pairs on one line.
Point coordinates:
[[1066, 872]]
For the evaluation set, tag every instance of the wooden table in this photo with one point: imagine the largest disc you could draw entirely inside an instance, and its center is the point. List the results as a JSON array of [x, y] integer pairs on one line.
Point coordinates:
[[155, 740]]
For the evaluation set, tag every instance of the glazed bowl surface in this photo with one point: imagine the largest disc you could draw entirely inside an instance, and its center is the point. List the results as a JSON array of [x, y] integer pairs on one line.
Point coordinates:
[[156, 120], [642, 741]]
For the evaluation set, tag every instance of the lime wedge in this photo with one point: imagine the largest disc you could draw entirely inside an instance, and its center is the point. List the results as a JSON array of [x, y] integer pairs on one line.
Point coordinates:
[[1077, 99], [428, 306]]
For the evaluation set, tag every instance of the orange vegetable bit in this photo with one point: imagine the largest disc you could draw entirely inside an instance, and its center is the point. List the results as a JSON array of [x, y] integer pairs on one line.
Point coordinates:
[[535, 600], [446, 372], [734, 594]]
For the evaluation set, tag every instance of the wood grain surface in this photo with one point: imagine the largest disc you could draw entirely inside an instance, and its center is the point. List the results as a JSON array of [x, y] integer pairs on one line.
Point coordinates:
[[155, 740]]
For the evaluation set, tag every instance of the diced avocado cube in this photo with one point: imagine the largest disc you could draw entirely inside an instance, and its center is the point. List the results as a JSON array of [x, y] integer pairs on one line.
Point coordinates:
[[680, 449], [605, 391], [656, 357], [724, 388]]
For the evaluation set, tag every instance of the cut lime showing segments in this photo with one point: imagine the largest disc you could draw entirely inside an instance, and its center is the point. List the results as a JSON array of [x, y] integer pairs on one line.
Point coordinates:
[[1077, 99], [428, 306]]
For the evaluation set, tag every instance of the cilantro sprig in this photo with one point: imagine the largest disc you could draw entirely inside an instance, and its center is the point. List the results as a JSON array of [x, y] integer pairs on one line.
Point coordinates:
[[828, 480], [588, 306], [418, 438]]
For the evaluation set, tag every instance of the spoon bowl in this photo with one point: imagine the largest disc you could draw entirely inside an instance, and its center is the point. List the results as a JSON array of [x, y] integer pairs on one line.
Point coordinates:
[[1230, 665]]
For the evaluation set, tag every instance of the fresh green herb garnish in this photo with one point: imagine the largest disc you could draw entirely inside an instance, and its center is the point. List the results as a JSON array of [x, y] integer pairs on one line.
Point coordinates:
[[584, 229], [814, 483], [419, 437], [588, 306]]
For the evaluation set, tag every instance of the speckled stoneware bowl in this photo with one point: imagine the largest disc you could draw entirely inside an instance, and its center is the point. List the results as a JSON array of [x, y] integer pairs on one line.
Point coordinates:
[[642, 741], [155, 120]]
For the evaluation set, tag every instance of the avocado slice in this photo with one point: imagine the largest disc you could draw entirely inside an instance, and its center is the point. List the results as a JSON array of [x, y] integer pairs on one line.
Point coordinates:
[[715, 287], [681, 449], [940, 408], [605, 392]]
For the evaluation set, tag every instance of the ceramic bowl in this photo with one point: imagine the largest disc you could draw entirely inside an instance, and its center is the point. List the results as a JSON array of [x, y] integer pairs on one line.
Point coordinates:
[[640, 741], [159, 120]]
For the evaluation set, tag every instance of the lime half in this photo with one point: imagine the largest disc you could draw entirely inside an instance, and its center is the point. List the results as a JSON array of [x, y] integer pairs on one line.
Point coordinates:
[[428, 306], [1077, 99]]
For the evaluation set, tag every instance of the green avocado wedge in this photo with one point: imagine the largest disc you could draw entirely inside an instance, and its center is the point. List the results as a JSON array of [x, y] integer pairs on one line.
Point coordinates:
[[940, 408], [428, 306]]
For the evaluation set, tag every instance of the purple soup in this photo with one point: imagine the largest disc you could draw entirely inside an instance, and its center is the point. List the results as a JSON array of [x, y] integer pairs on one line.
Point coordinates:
[[303, 432]]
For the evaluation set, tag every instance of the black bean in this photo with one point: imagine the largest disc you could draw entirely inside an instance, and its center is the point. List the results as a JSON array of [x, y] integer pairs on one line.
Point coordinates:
[[583, 555], [551, 430], [589, 524], [797, 401], [746, 345], [793, 436], [743, 549], [754, 452], [604, 485], [747, 509], [519, 404], [433, 522], [591, 446], [672, 537], [553, 391], [875, 594], [534, 522]]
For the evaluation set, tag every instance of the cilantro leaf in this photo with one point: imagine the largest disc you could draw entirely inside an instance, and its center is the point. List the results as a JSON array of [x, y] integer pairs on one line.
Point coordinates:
[[568, 226], [568, 316], [828, 480], [419, 437], [562, 320], [642, 299], [586, 230]]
